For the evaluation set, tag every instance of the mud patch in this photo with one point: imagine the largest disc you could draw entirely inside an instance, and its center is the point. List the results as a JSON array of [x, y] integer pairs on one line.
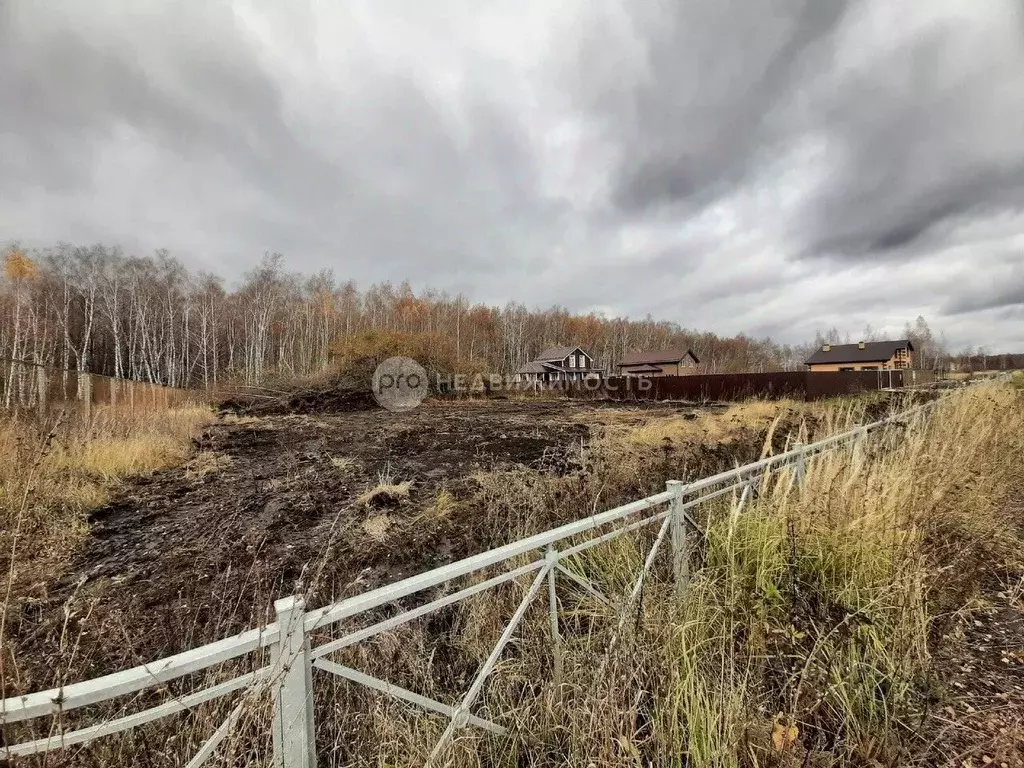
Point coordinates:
[[277, 505]]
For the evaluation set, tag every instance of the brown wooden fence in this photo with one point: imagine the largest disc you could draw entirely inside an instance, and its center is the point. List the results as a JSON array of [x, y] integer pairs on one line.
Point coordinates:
[[742, 386], [26, 386]]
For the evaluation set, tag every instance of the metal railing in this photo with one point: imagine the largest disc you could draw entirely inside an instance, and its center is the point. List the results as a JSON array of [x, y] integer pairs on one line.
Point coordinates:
[[288, 679]]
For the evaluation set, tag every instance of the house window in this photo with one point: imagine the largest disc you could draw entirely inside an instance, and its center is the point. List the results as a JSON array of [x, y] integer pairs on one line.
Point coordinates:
[[870, 368], [847, 369]]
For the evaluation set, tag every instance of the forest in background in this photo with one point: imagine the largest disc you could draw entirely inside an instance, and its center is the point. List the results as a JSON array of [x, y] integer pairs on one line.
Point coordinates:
[[97, 309]]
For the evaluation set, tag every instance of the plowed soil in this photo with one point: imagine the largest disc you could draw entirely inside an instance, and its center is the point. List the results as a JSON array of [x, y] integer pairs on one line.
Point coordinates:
[[270, 506]]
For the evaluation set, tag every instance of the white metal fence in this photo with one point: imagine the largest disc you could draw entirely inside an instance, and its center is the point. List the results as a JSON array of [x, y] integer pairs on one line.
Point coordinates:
[[288, 678]]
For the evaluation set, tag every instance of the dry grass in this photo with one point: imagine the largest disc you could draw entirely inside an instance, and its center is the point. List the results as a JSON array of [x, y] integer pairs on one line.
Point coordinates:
[[708, 427], [343, 463], [805, 638], [377, 527], [52, 476], [444, 505], [241, 421], [206, 463], [388, 491], [385, 494]]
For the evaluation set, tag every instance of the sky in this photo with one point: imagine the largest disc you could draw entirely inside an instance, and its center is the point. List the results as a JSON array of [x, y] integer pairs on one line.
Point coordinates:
[[770, 167]]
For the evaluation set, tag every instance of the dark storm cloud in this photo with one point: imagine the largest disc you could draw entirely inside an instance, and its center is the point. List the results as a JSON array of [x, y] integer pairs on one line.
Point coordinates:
[[684, 159], [926, 129], [385, 175], [693, 113], [925, 135], [188, 81], [1001, 290]]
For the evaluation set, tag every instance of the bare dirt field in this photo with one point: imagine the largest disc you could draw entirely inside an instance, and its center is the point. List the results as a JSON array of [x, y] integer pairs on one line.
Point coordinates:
[[331, 498], [285, 502]]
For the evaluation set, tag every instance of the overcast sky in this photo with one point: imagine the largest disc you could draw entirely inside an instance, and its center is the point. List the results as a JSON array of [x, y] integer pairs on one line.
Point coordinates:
[[757, 166]]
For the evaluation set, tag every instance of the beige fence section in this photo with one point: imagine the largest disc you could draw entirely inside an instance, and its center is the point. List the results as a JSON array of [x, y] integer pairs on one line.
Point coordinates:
[[28, 387]]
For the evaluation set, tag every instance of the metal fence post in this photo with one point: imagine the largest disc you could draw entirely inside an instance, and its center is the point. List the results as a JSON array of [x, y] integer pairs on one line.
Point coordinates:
[[551, 559], [294, 735], [680, 544], [800, 465], [85, 393]]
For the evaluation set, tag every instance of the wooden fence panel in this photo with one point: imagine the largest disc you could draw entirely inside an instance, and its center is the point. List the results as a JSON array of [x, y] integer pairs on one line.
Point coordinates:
[[27, 386]]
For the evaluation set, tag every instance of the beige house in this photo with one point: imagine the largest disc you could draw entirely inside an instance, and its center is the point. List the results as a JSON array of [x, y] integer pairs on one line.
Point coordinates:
[[659, 362], [863, 356]]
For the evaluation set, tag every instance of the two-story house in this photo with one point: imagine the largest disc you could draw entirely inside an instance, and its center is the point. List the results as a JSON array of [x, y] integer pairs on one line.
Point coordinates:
[[559, 364], [863, 356], [678, 361]]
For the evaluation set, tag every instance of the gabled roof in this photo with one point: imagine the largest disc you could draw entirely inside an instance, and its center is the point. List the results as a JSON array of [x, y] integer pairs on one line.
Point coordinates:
[[533, 367], [645, 369], [558, 353], [653, 357], [873, 352]]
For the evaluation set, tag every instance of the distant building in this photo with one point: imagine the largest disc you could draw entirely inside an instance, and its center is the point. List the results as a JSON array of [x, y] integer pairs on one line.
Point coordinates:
[[559, 364], [660, 362], [863, 356]]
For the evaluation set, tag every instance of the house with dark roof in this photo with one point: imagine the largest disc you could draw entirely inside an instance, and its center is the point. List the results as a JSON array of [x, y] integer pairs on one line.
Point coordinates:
[[559, 364], [863, 356], [677, 361]]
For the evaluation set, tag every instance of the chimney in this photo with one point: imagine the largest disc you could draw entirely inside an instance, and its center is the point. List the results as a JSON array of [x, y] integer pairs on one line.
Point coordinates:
[[826, 347], [862, 345]]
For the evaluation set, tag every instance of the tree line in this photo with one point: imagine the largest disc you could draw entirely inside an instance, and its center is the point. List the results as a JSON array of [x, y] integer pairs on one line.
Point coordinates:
[[100, 310]]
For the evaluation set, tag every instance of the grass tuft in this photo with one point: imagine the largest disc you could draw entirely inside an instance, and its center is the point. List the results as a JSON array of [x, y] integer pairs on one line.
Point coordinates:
[[52, 475]]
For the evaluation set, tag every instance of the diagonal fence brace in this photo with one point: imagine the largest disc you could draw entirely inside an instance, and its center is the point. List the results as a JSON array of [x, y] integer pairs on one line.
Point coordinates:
[[462, 710]]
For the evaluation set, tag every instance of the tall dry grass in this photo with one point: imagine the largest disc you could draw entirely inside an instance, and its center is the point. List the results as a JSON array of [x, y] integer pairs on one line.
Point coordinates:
[[805, 638], [53, 473]]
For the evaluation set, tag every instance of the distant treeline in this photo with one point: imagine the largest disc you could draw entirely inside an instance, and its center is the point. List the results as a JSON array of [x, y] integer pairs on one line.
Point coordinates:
[[98, 309], [982, 362]]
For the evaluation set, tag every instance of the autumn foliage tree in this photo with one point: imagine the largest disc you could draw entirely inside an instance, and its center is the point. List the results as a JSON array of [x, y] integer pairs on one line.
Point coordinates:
[[356, 356], [98, 309]]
